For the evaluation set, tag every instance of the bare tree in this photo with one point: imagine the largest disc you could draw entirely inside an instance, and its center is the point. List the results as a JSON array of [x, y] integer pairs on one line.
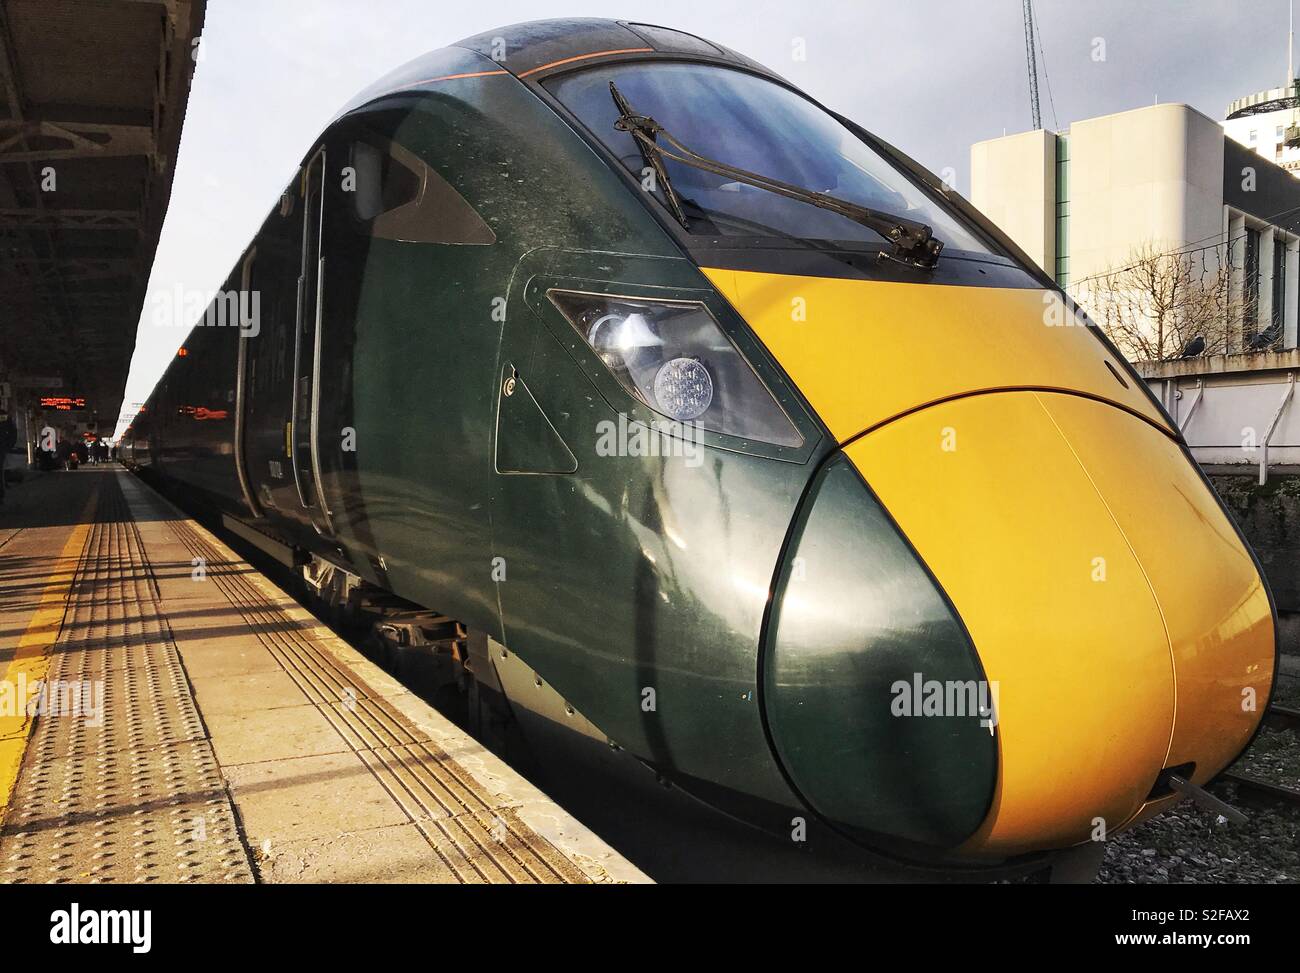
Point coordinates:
[[1158, 304]]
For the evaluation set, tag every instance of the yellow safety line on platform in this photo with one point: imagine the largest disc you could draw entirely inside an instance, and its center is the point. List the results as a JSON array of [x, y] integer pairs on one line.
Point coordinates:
[[31, 659]]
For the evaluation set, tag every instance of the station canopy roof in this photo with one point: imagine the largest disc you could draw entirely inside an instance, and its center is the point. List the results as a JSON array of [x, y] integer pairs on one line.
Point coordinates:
[[92, 98]]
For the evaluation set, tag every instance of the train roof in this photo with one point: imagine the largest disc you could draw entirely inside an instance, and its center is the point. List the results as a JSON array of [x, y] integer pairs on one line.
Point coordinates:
[[535, 50], [539, 47]]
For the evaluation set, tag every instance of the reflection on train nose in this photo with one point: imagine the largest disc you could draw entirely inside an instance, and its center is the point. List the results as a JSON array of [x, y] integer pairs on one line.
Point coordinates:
[[858, 625]]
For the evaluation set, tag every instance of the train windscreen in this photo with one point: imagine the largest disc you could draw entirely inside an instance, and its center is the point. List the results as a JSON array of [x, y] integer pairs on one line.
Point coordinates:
[[751, 123]]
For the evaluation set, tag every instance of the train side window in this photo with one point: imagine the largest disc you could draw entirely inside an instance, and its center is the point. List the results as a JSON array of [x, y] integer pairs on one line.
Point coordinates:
[[382, 183], [397, 196]]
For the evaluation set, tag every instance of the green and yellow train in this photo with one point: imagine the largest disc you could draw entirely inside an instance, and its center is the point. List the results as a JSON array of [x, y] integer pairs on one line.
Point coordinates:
[[763, 449]]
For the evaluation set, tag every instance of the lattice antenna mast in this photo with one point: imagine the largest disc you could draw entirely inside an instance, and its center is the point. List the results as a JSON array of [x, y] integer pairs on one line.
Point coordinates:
[[1292, 137], [1290, 51], [1032, 62]]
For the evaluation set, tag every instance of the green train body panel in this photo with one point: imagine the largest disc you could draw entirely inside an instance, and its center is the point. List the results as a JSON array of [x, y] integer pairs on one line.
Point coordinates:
[[621, 576]]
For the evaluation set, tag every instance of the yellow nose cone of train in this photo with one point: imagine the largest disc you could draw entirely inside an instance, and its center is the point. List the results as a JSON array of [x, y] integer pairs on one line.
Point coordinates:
[[864, 352], [1112, 605], [1114, 608]]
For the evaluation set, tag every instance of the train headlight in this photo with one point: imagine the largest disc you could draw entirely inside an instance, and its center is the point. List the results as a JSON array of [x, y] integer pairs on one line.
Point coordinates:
[[683, 389], [674, 357]]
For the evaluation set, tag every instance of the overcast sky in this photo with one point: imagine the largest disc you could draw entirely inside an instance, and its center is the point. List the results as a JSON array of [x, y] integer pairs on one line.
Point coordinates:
[[931, 76]]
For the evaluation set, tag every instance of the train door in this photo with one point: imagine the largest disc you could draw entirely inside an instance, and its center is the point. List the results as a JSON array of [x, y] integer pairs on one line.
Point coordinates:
[[264, 379], [242, 385], [306, 358], [402, 358], [358, 186]]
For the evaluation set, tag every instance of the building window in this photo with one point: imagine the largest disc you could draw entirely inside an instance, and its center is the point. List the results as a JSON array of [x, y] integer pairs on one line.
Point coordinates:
[[1279, 289], [1062, 269], [1254, 135], [1250, 287], [1279, 133]]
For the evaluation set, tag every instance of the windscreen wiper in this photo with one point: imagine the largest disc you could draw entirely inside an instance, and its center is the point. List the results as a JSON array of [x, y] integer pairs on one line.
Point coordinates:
[[913, 242], [643, 130]]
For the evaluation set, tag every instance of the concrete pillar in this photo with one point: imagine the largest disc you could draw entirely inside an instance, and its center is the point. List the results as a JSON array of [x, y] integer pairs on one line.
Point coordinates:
[[1236, 256], [1013, 182], [1290, 339]]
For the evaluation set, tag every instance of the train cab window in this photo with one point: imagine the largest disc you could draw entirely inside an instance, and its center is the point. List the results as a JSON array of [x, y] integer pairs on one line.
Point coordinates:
[[753, 123], [396, 195]]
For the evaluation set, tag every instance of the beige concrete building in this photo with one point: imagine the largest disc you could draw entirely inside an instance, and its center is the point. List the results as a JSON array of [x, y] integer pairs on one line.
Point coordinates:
[[1013, 182], [1165, 177]]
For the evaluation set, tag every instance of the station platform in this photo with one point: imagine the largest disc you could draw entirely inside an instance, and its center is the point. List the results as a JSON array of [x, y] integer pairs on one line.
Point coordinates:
[[167, 714]]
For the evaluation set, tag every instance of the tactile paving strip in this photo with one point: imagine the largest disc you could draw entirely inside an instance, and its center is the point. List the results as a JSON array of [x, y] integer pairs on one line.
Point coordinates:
[[479, 842], [119, 783]]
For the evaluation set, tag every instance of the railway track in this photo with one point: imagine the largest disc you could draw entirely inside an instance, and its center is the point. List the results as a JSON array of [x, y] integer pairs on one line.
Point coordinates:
[[1283, 718], [1255, 791]]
